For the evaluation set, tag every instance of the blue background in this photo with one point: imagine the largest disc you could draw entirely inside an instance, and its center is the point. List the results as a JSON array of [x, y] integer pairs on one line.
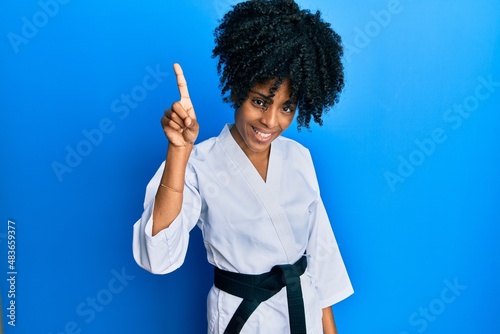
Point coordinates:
[[411, 185]]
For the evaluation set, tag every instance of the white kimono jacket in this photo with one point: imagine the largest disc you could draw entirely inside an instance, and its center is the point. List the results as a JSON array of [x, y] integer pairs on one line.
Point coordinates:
[[248, 226]]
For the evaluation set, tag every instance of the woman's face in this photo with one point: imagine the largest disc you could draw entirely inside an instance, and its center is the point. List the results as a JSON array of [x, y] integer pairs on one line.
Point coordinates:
[[262, 118]]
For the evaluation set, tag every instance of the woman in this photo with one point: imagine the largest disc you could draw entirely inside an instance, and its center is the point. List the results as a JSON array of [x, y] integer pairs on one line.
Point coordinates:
[[253, 193]]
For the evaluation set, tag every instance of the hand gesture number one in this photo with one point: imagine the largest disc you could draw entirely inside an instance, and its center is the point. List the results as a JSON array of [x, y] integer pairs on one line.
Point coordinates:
[[179, 122]]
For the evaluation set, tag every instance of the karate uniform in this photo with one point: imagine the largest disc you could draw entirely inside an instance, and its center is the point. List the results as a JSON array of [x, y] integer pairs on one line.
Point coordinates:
[[248, 226]]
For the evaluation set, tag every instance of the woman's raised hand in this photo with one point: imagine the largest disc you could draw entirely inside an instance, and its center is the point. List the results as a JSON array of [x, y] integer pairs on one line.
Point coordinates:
[[179, 122]]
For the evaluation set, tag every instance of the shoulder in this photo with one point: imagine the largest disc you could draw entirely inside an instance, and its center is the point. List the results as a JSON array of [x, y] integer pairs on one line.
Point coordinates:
[[205, 145], [208, 146], [293, 149], [297, 158], [202, 151]]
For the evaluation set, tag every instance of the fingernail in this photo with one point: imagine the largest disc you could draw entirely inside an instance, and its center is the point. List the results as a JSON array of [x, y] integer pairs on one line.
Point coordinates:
[[188, 122]]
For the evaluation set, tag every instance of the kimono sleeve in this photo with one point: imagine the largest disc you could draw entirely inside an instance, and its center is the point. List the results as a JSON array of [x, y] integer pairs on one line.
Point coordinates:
[[166, 251], [325, 262], [324, 259]]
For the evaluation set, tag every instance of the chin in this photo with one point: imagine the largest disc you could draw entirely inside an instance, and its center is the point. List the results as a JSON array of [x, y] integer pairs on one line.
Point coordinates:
[[259, 148]]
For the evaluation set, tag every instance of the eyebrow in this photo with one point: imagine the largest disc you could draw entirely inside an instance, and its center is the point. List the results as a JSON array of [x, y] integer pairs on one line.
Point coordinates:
[[270, 98], [290, 102]]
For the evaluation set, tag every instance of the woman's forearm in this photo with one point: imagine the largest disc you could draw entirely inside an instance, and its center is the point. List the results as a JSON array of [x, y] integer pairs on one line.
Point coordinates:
[[329, 321], [168, 200]]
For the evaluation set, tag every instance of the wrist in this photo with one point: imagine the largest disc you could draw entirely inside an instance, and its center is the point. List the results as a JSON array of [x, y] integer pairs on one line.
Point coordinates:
[[184, 151], [177, 158]]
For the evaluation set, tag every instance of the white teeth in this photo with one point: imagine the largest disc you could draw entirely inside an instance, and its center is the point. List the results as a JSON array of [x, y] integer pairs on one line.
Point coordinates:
[[262, 135]]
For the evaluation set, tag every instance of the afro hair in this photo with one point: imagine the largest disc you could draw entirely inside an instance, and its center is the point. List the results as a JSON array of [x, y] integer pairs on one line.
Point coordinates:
[[262, 40]]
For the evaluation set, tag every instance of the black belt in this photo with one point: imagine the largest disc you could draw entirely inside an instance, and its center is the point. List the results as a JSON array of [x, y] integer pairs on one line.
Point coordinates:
[[255, 289]]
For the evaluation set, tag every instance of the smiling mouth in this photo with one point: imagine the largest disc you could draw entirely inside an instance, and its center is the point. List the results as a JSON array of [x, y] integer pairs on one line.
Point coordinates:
[[261, 135]]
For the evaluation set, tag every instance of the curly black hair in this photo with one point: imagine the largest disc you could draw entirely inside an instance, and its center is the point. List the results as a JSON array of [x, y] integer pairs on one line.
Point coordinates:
[[262, 40]]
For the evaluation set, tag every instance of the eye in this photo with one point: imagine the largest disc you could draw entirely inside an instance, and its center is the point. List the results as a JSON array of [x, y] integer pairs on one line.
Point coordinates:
[[288, 109], [259, 103]]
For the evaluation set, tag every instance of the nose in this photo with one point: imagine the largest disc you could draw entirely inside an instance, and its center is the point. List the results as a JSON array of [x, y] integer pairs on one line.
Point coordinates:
[[270, 117]]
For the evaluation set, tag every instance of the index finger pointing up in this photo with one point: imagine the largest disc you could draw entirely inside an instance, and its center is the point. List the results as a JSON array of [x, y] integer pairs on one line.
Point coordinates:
[[181, 82]]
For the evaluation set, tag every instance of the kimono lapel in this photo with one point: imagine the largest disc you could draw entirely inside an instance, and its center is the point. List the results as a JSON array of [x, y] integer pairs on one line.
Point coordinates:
[[266, 192]]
